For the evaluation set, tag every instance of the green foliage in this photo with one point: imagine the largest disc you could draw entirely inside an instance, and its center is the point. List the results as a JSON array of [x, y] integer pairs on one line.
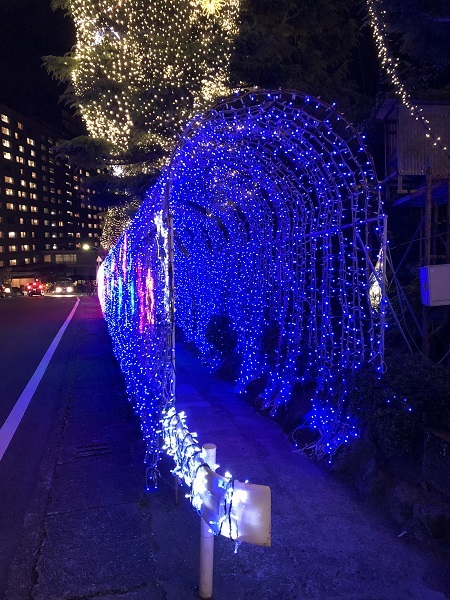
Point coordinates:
[[60, 67], [85, 151], [297, 45], [221, 335], [413, 394]]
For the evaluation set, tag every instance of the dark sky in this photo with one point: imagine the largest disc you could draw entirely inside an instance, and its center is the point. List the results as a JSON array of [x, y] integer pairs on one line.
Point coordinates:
[[29, 29]]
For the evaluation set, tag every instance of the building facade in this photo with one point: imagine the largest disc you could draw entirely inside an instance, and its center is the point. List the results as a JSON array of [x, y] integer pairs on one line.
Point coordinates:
[[47, 214]]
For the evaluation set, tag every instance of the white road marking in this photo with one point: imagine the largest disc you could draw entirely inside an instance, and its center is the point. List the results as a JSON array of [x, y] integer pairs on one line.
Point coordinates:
[[11, 424]]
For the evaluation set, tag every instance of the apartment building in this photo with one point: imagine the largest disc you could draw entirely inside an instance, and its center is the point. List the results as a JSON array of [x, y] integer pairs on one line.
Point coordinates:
[[47, 215]]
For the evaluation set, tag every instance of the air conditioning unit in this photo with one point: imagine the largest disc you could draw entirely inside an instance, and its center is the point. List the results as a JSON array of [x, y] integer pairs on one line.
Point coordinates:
[[435, 285]]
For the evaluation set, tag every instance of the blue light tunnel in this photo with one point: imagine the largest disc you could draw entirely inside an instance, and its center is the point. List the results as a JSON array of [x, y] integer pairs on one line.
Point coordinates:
[[277, 226]]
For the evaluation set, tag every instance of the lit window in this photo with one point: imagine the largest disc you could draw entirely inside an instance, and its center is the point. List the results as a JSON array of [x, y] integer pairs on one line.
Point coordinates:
[[33, 209], [12, 234], [30, 141], [9, 179], [22, 149], [31, 163], [23, 207], [6, 143], [33, 185], [9, 192], [13, 262], [27, 260], [7, 155], [21, 221], [5, 118], [13, 248], [20, 159], [65, 258], [19, 125], [25, 247], [23, 234], [35, 221], [22, 194], [10, 206], [33, 153]]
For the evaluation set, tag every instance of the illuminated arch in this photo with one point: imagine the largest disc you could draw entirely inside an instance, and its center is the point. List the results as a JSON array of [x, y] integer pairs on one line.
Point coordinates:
[[278, 224]]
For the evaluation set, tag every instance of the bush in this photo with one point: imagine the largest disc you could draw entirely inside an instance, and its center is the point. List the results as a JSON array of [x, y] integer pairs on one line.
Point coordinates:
[[396, 407]]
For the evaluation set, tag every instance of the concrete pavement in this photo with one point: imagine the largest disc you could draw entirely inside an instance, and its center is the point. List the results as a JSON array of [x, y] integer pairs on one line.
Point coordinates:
[[93, 532]]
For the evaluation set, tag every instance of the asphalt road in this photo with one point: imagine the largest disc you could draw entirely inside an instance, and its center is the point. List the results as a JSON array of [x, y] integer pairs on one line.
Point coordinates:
[[27, 328]]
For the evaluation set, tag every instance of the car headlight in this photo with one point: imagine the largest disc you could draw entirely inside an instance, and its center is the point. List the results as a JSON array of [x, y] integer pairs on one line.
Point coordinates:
[[58, 290], [70, 289], [7, 290]]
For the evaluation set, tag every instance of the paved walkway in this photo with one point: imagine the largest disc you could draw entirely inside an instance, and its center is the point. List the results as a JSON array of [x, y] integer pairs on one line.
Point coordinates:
[[92, 532]]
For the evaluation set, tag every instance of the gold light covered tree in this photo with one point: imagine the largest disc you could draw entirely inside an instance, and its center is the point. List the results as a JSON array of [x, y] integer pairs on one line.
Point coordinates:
[[141, 69]]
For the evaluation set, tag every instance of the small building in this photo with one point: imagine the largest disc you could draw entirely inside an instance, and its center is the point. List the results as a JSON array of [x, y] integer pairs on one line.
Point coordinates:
[[417, 177]]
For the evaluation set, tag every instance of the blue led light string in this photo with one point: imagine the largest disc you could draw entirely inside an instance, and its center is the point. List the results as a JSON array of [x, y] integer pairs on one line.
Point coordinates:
[[272, 195], [342, 189]]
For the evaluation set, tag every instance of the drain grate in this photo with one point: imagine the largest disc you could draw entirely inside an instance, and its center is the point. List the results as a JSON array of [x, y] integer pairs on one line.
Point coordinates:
[[92, 450]]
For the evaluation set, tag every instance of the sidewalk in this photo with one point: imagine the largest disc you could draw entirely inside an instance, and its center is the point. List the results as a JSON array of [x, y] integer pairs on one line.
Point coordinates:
[[99, 535]]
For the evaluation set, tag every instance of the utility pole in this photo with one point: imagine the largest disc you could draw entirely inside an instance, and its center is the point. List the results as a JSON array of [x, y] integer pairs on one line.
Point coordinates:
[[427, 258]]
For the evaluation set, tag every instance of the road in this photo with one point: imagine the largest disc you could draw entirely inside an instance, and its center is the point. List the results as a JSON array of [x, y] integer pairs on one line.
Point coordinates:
[[27, 328]]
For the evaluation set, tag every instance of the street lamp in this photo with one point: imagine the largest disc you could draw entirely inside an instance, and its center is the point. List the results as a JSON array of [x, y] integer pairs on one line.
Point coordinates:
[[88, 248]]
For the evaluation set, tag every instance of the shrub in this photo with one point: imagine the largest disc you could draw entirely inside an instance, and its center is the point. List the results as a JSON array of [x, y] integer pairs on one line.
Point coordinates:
[[396, 407]]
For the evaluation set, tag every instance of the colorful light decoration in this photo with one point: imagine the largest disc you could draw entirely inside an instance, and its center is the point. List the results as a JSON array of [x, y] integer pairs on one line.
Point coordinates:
[[278, 224]]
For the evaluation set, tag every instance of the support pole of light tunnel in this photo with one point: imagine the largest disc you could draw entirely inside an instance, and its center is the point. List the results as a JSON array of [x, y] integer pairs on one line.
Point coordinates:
[[207, 539]]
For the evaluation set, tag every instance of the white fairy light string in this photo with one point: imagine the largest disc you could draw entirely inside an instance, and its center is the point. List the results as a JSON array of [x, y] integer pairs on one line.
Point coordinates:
[[391, 66], [159, 64]]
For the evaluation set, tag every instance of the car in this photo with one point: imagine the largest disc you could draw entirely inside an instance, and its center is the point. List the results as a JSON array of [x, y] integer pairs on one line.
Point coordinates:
[[63, 286], [8, 291], [35, 288]]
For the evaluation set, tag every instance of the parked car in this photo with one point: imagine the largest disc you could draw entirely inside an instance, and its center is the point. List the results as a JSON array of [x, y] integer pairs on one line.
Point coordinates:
[[8, 291], [35, 288], [63, 286]]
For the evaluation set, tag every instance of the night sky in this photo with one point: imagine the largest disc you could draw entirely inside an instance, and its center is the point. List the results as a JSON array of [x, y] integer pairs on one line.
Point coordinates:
[[29, 29]]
